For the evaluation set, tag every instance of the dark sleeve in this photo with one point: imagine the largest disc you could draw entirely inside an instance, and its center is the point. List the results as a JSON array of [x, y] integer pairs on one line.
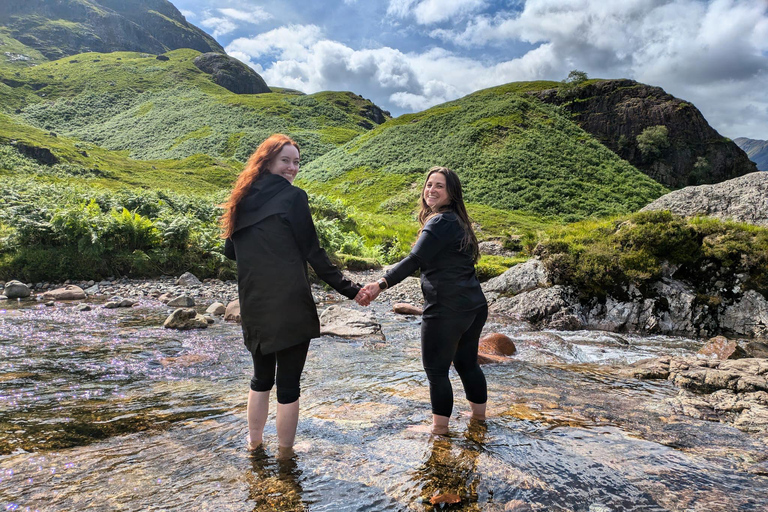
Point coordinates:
[[433, 239], [229, 249], [305, 234]]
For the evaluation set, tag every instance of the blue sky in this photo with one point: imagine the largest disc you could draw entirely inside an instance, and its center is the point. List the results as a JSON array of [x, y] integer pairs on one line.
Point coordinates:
[[408, 55]]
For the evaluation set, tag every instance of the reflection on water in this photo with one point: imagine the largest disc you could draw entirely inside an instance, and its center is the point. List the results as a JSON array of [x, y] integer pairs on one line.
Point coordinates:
[[106, 410]]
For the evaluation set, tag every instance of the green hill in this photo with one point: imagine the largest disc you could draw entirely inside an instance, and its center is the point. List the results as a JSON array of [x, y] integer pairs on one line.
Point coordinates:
[[512, 152], [67, 27]]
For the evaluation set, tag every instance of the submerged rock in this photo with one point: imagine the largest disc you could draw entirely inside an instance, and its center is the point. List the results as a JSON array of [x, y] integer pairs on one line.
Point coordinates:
[[347, 322], [185, 318]]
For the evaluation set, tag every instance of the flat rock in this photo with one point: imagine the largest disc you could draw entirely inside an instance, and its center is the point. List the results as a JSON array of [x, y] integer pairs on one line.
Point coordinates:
[[68, 292], [346, 322], [721, 347]]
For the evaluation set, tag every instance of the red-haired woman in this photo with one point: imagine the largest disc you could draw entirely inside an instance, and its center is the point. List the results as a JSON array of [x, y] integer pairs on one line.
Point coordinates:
[[455, 308], [270, 233]]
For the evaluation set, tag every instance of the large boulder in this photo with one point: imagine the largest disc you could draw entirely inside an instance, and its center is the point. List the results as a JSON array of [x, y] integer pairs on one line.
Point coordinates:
[[231, 74], [535, 306], [16, 290], [68, 292], [184, 319], [346, 322], [748, 316], [721, 347], [217, 308], [522, 277], [741, 199], [188, 279]]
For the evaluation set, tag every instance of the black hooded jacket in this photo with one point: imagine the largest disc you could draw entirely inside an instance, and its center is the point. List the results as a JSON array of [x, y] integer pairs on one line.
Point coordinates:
[[273, 240]]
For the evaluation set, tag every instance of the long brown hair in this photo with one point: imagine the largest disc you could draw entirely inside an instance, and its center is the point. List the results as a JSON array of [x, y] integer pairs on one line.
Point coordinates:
[[455, 205], [254, 169]]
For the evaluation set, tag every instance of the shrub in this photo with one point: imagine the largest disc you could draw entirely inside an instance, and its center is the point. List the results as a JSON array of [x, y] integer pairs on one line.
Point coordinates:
[[653, 141]]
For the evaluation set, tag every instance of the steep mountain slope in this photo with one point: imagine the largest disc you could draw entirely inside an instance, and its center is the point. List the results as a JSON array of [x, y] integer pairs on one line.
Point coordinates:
[[616, 112], [67, 27], [756, 150], [511, 151]]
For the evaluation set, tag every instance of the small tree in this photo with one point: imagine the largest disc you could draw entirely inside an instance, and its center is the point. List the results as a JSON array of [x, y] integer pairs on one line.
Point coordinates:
[[574, 79], [653, 140]]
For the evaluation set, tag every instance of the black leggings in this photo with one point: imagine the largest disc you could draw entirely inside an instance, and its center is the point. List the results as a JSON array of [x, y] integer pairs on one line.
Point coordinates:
[[290, 364], [454, 339]]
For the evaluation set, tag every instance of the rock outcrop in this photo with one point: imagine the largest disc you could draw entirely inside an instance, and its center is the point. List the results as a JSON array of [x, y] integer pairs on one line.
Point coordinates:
[[617, 111], [668, 306], [743, 199], [735, 391], [231, 74]]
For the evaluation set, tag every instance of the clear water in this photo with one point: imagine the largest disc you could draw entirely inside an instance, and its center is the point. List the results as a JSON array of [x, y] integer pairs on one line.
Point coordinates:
[[106, 410]]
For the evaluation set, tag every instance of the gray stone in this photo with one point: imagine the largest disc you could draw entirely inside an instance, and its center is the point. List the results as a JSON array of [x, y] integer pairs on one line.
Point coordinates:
[[346, 322], [535, 306], [182, 301], [92, 290], [188, 279], [83, 307], [16, 290], [742, 199], [748, 316], [521, 278]]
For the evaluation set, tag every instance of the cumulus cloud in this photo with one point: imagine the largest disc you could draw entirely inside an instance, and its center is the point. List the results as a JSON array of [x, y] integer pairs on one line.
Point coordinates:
[[710, 53], [219, 26], [255, 15], [427, 12], [187, 14]]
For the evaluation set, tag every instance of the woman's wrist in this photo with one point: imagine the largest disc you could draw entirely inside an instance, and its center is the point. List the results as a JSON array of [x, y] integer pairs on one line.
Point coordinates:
[[383, 284]]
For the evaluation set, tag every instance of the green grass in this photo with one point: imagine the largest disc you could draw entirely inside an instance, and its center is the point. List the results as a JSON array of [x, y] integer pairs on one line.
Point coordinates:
[[512, 153]]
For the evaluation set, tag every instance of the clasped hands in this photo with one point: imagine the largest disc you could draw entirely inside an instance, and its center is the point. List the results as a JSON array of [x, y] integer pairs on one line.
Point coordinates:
[[368, 294]]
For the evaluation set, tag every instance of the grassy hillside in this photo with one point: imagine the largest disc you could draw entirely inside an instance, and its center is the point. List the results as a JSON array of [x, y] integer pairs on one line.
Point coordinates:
[[158, 109], [511, 151]]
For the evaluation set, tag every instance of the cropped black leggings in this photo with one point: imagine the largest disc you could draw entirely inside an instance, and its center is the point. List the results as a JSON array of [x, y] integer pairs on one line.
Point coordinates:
[[290, 364], [454, 339]]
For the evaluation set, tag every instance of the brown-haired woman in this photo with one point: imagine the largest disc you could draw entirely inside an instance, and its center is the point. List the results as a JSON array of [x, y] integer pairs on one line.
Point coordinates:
[[271, 235], [455, 308]]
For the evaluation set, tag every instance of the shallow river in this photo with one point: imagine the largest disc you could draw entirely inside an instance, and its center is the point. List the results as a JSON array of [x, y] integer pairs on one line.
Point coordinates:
[[106, 410]]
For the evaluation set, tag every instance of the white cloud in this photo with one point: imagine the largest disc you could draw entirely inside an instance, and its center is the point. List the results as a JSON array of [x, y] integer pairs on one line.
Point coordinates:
[[255, 15], [220, 26], [188, 14], [427, 12]]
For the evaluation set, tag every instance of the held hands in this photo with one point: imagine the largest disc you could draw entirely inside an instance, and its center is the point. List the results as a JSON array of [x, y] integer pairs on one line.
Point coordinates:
[[368, 294]]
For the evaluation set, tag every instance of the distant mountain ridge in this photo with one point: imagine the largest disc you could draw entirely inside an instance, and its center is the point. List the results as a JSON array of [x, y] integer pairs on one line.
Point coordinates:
[[63, 28], [756, 150], [616, 112]]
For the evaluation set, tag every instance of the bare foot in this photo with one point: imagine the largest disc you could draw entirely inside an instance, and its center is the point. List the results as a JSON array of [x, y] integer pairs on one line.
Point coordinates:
[[250, 446]]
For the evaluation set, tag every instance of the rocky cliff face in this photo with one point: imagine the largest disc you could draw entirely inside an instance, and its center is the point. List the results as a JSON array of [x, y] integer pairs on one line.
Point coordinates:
[[743, 199], [68, 27], [756, 150], [617, 111], [231, 74]]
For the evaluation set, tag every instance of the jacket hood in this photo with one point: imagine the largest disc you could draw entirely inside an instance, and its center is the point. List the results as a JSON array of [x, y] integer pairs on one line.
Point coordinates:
[[262, 191]]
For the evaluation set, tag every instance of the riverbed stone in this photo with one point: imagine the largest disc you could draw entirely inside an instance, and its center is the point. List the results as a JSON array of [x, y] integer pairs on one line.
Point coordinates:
[[757, 349], [92, 290], [721, 347], [16, 290], [346, 322], [232, 314], [403, 308], [83, 307], [184, 319], [217, 309], [188, 279], [182, 301], [67, 292]]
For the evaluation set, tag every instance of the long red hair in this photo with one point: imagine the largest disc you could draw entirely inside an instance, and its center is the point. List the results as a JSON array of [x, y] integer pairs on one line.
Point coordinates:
[[253, 170]]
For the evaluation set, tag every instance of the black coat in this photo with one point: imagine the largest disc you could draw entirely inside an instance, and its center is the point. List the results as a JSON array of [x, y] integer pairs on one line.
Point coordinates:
[[274, 238]]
